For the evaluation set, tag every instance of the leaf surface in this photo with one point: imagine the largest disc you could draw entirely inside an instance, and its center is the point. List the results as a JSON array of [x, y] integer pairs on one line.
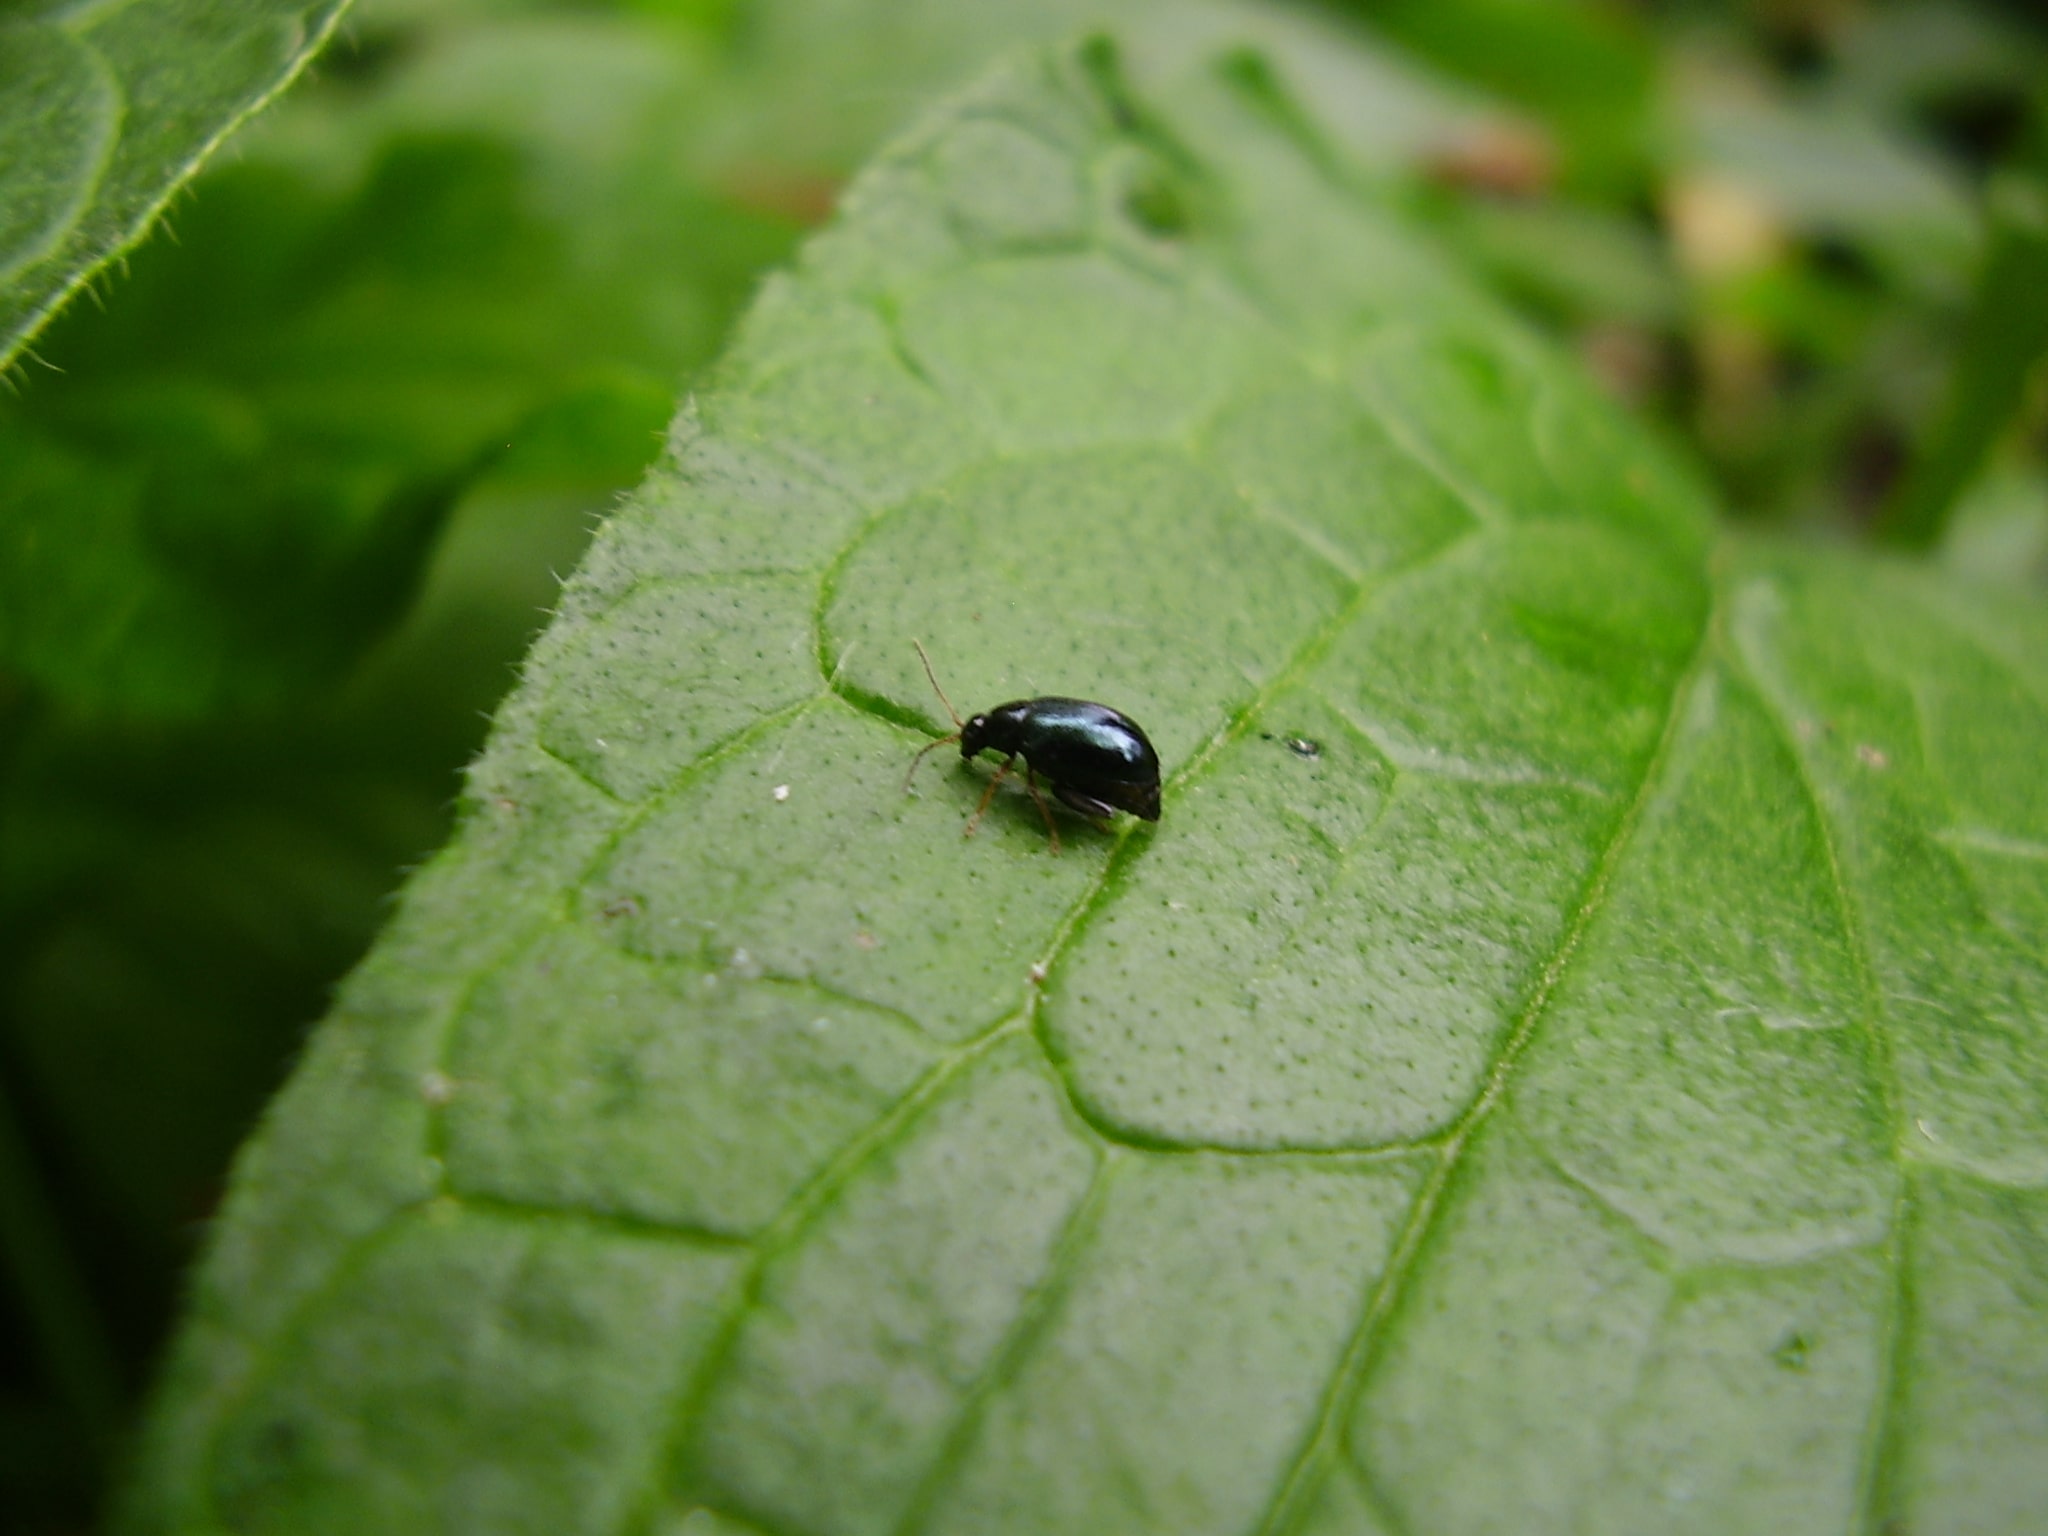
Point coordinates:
[[1570, 1056], [106, 110]]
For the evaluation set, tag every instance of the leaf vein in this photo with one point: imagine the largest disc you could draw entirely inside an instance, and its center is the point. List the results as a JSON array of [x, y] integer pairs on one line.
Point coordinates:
[[687, 1406], [1097, 896], [1886, 1413], [1024, 1332], [1295, 1499]]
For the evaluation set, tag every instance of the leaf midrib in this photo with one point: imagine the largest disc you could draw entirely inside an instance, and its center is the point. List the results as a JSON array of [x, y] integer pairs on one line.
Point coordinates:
[[1295, 1502]]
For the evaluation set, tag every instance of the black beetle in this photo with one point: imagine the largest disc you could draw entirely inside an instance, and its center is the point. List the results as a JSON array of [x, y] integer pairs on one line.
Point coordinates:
[[1094, 758]]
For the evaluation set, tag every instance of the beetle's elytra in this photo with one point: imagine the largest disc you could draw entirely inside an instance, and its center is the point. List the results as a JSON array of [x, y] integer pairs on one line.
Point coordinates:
[[1092, 757]]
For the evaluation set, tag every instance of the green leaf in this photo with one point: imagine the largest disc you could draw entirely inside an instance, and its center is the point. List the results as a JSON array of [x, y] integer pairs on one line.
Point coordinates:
[[1570, 1057], [397, 277], [1830, 169], [1926, 53], [106, 110], [2005, 336], [816, 84], [234, 485], [1574, 262], [2000, 532], [1586, 71]]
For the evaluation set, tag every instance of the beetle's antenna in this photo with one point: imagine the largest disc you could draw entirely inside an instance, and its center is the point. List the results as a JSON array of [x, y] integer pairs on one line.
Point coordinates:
[[928, 746], [934, 677], [921, 751]]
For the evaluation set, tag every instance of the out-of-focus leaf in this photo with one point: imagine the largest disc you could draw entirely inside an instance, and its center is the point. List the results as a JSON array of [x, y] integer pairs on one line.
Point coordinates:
[[1826, 170], [399, 278], [1919, 53], [64, 1336], [1570, 1057], [231, 488], [2002, 345], [1586, 71], [817, 83], [2000, 531], [1569, 261], [106, 110]]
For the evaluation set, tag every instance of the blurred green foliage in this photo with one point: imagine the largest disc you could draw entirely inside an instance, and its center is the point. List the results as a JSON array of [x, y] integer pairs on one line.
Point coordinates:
[[276, 522], [107, 110], [281, 505]]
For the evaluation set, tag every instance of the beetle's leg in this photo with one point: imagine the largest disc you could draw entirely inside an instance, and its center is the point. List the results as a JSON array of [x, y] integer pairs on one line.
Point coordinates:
[[1031, 783], [988, 795], [928, 746]]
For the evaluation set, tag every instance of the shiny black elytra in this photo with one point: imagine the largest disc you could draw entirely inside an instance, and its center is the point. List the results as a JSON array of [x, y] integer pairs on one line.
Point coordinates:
[[1093, 758]]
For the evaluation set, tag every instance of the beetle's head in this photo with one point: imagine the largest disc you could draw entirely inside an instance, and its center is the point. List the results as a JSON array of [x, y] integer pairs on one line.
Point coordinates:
[[974, 736]]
